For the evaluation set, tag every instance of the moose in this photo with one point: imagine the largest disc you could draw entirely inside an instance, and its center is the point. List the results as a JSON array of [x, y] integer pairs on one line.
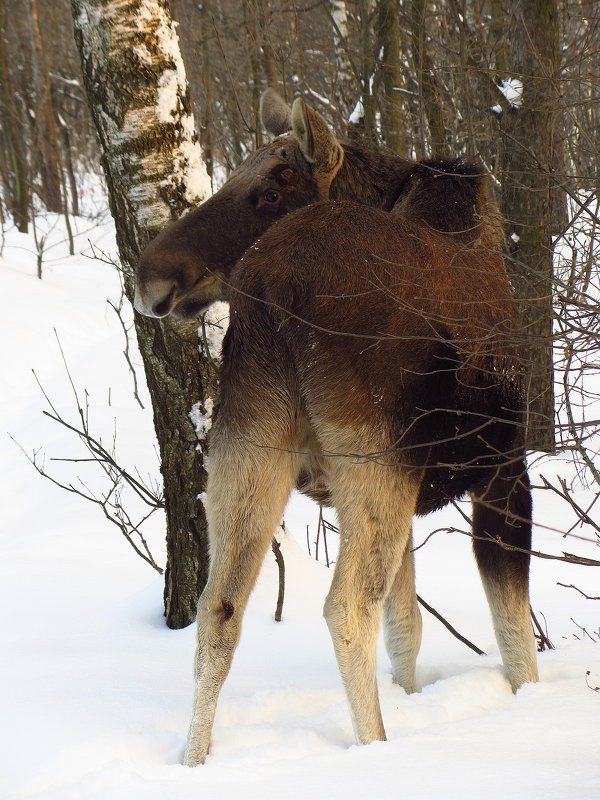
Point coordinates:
[[373, 361]]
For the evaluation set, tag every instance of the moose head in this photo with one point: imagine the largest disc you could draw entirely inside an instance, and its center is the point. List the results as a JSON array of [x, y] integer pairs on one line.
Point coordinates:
[[187, 266]]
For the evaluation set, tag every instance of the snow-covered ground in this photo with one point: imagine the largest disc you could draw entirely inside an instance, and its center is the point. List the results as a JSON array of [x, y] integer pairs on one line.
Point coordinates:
[[96, 691]]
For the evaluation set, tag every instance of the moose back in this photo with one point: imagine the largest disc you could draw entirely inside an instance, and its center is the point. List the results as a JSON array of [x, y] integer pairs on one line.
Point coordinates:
[[372, 359]]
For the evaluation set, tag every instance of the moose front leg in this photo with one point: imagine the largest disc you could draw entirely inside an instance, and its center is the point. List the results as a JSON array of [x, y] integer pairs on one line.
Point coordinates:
[[247, 490]]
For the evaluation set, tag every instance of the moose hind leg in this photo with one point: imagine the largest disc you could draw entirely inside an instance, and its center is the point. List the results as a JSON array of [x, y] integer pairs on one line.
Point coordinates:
[[402, 623], [247, 490], [375, 505], [503, 510]]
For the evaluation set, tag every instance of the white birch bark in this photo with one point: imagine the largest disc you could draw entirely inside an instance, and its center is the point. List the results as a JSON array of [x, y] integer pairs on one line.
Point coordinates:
[[148, 131], [339, 18], [139, 100]]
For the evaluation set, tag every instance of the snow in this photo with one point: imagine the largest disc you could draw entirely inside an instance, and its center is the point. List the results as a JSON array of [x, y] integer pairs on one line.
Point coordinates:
[[216, 320], [202, 420], [323, 100], [166, 105], [96, 691], [188, 168], [358, 113], [512, 89]]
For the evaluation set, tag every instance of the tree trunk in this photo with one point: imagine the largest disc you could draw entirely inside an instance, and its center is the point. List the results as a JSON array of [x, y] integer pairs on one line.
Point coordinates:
[[138, 96], [251, 26], [207, 124], [391, 108], [528, 156], [498, 35], [263, 12], [46, 140], [70, 169], [430, 102], [367, 69], [345, 71], [17, 173]]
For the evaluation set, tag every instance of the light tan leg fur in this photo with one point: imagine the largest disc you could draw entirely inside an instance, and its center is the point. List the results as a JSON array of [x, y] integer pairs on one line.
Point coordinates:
[[375, 505], [247, 490], [509, 605], [503, 511], [402, 623]]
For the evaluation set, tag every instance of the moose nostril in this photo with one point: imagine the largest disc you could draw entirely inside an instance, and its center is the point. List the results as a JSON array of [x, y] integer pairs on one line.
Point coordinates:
[[161, 309], [164, 306]]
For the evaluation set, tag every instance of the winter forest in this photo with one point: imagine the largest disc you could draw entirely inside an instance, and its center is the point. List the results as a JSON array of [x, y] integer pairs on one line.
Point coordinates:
[[116, 120]]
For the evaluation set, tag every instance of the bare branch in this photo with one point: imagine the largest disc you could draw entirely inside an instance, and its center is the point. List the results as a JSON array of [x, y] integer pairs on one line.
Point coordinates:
[[276, 547], [452, 630], [570, 586], [541, 636]]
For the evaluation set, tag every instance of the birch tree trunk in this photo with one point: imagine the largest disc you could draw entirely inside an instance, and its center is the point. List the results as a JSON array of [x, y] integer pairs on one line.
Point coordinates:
[[137, 92], [344, 69]]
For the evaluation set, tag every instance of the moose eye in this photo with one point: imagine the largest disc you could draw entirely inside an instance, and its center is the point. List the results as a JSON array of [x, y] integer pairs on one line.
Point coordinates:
[[271, 196]]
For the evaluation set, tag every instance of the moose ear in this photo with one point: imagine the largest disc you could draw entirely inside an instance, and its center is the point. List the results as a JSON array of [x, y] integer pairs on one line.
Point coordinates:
[[317, 142], [275, 114]]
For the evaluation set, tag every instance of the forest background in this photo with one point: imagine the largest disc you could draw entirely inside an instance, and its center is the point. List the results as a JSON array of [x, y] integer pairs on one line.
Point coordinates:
[[514, 83]]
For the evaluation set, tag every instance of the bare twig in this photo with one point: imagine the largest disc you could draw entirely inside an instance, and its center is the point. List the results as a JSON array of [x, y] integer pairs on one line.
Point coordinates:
[[118, 309], [541, 636], [324, 526], [585, 632], [111, 505], [111, 499], [569, 558], [447, 625], [570, 586], [276, 547], [593, 688]]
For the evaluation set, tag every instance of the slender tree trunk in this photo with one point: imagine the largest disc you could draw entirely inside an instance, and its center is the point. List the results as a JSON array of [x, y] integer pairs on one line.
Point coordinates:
[[391, 110], [68, 157], [45, 124], [528, 156], [251, 25], [430, 102], [207, 126], [268, 55], [498, 34], [345, 71], [17, 173], [297, 53], [138, 95], [367, 68]]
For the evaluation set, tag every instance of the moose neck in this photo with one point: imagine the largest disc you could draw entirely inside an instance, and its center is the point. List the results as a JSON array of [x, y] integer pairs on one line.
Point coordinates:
[[370, 177]]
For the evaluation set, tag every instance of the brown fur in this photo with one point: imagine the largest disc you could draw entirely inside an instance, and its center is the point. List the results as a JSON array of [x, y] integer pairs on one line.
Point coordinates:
[[372, 360], [415, 319]]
